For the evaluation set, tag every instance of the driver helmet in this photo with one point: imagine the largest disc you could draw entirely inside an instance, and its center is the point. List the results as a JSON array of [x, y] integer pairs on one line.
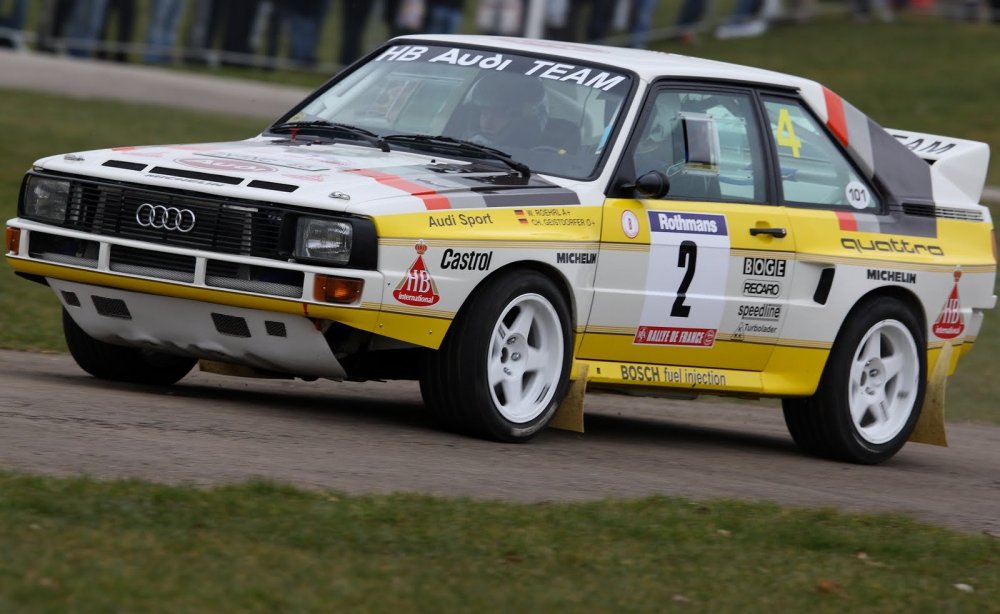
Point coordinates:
[[519, 99]]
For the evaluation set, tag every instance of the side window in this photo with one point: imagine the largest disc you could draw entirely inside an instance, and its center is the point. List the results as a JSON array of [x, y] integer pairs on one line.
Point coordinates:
[[813, 169], [706, 143]]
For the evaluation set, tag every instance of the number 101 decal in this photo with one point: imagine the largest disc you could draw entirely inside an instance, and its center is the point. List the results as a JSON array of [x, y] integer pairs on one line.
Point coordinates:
[[686, 282]]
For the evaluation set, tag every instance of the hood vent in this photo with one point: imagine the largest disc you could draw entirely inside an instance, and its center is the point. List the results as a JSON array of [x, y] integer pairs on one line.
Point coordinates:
[[129, 166], [176, 172], [270, 185]]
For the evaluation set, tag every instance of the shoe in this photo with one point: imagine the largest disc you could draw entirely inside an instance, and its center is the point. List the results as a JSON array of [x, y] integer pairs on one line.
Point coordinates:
[[747, 29]]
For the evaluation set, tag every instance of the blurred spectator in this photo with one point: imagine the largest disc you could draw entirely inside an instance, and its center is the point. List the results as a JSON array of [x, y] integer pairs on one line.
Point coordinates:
[[304, 20], [239, 18], [352, 28], [746, 20], [52, 22], [443, 16], [84, 27], [599, 20], [689, 18], [161, 35], [862, 10], [202, 31], [565, 19], [410, 15], [124, 11], [229, 20], [641, 22], [500, 17], [12, 24]]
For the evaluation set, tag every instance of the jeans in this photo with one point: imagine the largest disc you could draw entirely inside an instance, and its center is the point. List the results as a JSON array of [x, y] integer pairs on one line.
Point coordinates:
[[161, 37], [642, 21], [443, 20], [84, 26]]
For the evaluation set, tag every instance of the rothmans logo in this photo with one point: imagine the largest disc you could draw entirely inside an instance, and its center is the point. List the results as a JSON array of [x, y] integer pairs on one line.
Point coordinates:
[[165, 218]]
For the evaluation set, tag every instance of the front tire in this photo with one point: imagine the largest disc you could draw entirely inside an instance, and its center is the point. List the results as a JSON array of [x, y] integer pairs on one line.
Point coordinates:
[[872, 389], [120, 363], [504, 366]]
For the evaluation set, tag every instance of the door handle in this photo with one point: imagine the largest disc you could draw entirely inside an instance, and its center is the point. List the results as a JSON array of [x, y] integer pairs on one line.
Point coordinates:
[[774, 232]]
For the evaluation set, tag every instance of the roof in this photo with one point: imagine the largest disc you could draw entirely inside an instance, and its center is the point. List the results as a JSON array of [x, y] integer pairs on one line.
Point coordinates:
[[647, 64]]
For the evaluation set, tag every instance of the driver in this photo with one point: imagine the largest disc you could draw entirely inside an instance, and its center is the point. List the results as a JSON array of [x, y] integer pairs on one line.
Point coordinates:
[[511, 110]]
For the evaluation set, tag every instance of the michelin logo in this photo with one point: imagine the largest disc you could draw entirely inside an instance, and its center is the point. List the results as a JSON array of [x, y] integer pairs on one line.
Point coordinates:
[[688, 223]]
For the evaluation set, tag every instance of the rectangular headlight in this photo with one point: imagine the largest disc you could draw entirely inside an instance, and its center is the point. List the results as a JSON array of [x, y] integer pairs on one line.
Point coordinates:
[[324, 240], [46, 199]]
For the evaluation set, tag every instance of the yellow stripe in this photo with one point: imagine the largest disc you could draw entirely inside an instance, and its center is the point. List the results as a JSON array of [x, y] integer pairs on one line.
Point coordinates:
[[624, 331], [419, 311], [409, 242]]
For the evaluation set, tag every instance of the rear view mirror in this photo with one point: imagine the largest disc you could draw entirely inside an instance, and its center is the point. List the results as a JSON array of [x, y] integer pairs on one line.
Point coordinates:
[[701, 143]]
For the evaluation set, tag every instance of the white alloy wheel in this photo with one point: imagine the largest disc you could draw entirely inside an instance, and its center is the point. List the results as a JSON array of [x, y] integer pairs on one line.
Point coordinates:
[[525, 359], [884, 381]]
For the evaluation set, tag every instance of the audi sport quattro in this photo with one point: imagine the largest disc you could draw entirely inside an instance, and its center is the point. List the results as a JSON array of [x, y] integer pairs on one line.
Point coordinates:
[[511, 222]]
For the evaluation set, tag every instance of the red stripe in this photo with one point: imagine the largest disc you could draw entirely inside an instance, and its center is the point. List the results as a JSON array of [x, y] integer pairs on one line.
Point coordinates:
[[432, 200], [847, 220], [835, 115]]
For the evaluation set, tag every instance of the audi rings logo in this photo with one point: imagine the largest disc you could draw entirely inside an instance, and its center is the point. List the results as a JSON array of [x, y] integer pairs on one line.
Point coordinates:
[[165, 218]]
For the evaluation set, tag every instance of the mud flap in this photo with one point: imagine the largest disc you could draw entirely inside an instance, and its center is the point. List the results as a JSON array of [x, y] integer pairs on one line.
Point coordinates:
[[930, 426], [569, 415]]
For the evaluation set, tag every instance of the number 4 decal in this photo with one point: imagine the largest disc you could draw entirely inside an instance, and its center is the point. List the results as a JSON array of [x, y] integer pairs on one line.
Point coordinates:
[[785, 132]]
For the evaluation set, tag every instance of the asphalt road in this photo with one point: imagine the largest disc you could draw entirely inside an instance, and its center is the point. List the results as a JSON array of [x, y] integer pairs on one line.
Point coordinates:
[[375, 438]]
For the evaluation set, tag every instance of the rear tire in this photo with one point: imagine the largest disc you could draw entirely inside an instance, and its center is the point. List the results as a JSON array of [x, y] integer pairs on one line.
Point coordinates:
[[872, 390], [504, 366], [123, 364]]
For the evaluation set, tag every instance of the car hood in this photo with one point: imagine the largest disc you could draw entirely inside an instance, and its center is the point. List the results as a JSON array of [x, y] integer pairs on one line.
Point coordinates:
[[331, 176]]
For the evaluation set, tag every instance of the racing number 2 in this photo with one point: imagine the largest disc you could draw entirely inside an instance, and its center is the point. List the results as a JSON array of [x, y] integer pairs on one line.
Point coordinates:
[[687, 257]]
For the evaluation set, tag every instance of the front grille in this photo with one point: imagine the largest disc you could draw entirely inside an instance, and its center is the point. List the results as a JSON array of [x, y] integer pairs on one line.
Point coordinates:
[[64, 250], [250, 229], [230, 325], [252, 278], [148, 263], [111, 307]]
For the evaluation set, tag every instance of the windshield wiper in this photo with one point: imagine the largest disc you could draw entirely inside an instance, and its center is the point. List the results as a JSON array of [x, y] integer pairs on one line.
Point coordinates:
[[321, 125], [461, 144]]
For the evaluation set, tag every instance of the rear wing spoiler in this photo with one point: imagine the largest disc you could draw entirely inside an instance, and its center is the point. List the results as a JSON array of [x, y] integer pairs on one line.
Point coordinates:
[[956, 164]]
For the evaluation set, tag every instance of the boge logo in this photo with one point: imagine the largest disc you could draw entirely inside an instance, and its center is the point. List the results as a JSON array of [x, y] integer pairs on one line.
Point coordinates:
[[771, 267]]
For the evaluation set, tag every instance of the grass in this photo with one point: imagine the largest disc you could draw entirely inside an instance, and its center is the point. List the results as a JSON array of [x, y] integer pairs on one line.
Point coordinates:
[[83, 545]]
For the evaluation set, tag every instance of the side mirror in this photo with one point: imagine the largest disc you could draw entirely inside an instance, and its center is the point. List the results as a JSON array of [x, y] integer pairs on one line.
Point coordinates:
[[653, 184]]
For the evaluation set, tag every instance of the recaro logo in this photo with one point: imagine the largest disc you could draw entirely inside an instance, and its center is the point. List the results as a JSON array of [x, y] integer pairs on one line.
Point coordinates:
[[761, 287], [232, 166]]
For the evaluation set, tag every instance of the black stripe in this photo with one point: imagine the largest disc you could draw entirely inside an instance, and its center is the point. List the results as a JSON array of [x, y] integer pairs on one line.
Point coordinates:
[[551, 197]]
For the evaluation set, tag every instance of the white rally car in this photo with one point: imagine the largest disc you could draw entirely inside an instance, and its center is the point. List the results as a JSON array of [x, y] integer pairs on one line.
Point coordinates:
[[502, 218]]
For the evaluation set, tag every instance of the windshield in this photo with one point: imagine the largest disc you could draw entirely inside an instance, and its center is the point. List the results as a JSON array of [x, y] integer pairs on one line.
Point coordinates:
[[554, 117]]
